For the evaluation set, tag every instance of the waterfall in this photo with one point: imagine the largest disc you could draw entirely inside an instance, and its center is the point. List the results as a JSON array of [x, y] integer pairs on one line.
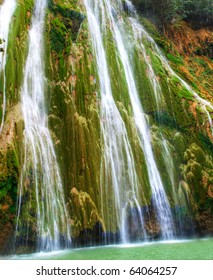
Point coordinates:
[[113, 14], [119, 182], [204, 104], [179, 200], [160, 201], [6, 12], [152, 176], [40, 175]]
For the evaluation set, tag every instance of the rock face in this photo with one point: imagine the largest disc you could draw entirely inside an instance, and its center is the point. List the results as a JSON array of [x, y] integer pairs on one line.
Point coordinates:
[[73, 104]]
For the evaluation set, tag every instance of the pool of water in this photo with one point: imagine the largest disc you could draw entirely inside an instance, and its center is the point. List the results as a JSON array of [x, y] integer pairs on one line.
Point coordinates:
[[197, 249]]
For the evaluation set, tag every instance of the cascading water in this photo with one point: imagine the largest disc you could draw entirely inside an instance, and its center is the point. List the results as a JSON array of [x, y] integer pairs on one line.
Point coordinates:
[[179, 200], [147, 176], [118, 25], [6, 12], [204, 104], [112, 12], [40, 176], [119, 182], [159, 199]]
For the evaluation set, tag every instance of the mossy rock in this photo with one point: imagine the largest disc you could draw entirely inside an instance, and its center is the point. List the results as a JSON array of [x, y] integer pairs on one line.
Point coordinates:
[[198, 173], [83, 211]]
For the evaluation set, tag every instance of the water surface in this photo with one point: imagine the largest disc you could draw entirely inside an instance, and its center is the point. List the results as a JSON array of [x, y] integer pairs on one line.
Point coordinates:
[[197, 249]]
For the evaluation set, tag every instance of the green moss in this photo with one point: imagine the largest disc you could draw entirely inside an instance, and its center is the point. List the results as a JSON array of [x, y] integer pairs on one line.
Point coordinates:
[[65, 24], [177, 60], [162, 42], [8, 187], [197, 172], [116, 71], [184, 93], [205, 142], [73, 100], [17, 49], [145, 89]]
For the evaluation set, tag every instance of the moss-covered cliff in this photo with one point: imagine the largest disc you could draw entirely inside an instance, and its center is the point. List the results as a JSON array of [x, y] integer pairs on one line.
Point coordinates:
[[73, 109], [73, 100]]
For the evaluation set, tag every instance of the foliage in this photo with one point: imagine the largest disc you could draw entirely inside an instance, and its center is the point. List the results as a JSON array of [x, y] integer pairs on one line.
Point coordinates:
[[8, 188], [65, 25], [8, 183], [172, 10], [199, 10]]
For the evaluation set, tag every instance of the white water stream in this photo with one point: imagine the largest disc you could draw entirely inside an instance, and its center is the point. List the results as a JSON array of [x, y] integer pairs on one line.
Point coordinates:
[[204, 104], [6, 12], [112, 14], [40, 169], [159, 199], [119, 182]]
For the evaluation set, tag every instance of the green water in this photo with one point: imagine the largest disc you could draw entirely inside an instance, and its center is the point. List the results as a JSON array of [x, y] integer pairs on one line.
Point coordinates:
[[201, 249]]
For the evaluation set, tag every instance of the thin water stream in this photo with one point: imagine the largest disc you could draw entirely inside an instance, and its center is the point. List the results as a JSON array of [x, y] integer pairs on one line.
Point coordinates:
[[112, 11], [40, 175], [119, 182], [204, 104], [41, 196], [6, 12]]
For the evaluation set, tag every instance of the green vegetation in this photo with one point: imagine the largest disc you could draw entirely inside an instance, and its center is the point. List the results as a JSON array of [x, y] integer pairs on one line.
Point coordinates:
[[73, 110], [17, 49], [65, 24], [73, 101], [8, 188], [168, 11]]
